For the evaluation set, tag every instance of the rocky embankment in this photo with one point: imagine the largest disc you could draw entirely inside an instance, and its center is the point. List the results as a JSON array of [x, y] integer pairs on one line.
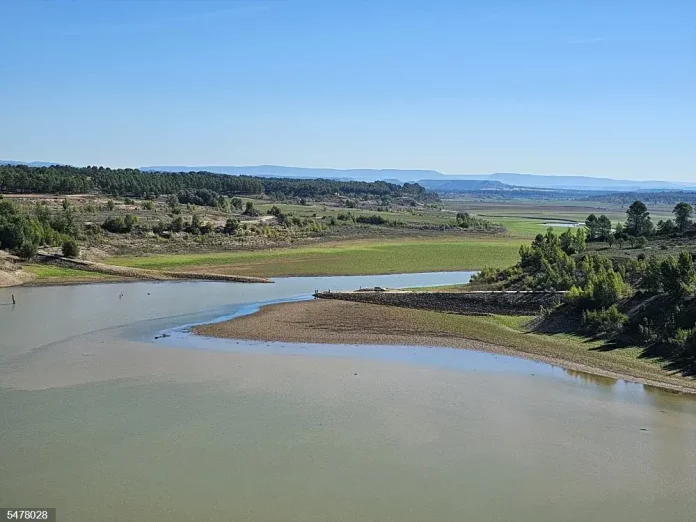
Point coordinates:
[[469, 303]]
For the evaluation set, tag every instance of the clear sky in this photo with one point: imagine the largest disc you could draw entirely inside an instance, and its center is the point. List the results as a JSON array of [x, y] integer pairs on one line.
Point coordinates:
[[551, 87]]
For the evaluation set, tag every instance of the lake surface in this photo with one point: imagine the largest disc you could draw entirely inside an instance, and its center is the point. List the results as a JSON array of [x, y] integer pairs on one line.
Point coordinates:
[[103, 422]]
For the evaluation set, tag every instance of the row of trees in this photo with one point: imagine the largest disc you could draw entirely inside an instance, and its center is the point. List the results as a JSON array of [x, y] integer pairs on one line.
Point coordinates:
[[598, 288], [639, 224], [59, 179]]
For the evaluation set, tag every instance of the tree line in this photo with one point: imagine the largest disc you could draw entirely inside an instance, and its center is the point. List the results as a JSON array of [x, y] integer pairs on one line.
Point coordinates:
[[639, 224], [24, 232], [602, 292], [59, 179]]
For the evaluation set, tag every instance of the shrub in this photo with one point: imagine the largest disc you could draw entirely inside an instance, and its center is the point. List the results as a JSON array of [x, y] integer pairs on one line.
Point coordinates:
[[148, 205], [374, 219], [70, 248], [487, 275], [120, 225], [177, 224], [231, 226], [608, 321], [28, 250], [250, 210], [603, 289]]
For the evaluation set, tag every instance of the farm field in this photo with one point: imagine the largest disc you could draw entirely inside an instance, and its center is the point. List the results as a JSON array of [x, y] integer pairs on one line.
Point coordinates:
[[348, 257]]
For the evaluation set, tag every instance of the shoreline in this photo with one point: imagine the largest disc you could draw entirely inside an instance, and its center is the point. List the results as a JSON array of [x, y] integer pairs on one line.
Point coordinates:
[[340, 322]]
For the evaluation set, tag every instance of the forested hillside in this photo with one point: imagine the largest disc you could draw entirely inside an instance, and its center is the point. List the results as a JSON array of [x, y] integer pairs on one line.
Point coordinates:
[[133, 182]]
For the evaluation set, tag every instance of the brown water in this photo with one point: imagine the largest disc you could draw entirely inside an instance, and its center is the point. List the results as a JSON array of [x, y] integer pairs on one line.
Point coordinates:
[[100, 421]]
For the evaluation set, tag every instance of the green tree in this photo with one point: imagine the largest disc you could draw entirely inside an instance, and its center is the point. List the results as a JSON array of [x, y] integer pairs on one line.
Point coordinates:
[[665, 226], [173, 202], [592, 227], [236, 203], [638, 222], [682, 216], [652, 276], [678, 275], [250, 210], [604, 227]]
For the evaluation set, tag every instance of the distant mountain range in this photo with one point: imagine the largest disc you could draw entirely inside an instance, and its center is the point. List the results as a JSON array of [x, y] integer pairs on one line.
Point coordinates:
[[430, 179]]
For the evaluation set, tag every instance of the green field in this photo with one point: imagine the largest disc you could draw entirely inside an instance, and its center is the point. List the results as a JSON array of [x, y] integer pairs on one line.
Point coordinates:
[[350, 257]]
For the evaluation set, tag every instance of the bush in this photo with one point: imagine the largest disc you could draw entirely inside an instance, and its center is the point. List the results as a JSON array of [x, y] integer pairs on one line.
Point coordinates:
[[148, 205], [70, 248], [236, 203], [684, 343], [177, 224], [28, 250], [487, 275], [374, 219], [120, 225], [603, 289], [608, 321], [231, 226], [250, 210]]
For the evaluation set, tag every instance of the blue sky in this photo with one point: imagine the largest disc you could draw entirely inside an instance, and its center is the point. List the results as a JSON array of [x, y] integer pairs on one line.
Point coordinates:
[[595, 88]]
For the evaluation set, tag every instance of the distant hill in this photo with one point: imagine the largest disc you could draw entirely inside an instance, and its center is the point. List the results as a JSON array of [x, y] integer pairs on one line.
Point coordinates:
[[462, 185], [425, 177], [30, 164], [586, 182]]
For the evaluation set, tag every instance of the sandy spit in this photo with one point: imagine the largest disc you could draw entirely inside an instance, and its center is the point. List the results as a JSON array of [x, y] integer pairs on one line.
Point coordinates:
[[341, 322]]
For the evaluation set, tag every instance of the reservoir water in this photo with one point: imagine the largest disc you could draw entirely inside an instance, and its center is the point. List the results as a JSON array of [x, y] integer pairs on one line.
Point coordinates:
[[103, 422]]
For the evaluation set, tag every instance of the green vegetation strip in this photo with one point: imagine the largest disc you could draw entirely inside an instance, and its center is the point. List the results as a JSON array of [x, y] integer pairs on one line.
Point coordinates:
[[510, 331], [345, 258]]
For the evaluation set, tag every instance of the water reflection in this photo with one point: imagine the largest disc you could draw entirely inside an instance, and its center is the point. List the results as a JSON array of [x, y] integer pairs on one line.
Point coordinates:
[[591, 378]]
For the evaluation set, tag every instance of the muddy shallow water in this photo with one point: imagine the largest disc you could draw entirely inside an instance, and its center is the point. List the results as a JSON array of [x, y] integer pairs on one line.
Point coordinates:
[[99, 418]]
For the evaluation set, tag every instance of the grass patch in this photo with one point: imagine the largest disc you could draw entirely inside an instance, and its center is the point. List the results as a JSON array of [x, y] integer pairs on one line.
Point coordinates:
[[510, 331], [355, 257]]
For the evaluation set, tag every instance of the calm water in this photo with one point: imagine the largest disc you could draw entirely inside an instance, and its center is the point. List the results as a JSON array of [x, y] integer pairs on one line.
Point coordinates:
[[100, 420], [563, 225]]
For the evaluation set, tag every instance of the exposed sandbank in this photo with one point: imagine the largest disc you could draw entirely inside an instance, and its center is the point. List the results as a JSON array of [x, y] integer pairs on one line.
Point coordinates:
[[340, 322]]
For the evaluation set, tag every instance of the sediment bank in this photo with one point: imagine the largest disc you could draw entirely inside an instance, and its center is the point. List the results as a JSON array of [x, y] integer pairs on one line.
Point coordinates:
[[341, 322]]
